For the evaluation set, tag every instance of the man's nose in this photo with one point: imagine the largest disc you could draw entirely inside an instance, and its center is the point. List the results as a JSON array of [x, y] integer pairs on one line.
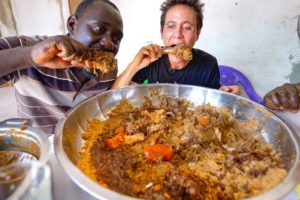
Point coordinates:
[[107, 43], [178, 31]]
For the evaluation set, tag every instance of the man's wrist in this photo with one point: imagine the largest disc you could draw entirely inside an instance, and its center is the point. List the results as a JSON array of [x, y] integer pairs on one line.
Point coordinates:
[[29, 60]]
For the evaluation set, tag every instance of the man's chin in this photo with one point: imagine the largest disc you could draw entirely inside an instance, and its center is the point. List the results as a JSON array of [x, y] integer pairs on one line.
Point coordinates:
[[175, 59], [178, 62]]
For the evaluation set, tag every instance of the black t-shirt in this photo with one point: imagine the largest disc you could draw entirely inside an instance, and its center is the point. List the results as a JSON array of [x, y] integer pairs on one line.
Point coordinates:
[[202, 70]]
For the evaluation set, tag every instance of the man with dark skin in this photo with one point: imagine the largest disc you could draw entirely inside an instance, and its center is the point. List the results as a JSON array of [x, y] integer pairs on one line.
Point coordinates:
[[42, 68], [287, 96]]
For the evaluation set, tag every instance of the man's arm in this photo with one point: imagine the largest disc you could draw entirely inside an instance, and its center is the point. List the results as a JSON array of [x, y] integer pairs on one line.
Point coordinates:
[[126, 76], [285, 97], [144, 57], [55, 52], [14, 59]]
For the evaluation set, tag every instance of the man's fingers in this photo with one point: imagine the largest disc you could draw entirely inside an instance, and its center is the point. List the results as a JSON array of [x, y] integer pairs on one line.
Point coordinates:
[[294, 98], [68, 47], [275, 100], [69, 58], [84, 63], [284, 99], [65, 49]]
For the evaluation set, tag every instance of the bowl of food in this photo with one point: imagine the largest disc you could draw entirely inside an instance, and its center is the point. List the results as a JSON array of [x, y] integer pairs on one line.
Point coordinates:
[[169, 141], [22, 149]]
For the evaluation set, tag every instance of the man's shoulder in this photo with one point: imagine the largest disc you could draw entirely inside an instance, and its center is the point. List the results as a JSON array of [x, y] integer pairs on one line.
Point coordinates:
[[15, 41], [202, 54], [31, 40]]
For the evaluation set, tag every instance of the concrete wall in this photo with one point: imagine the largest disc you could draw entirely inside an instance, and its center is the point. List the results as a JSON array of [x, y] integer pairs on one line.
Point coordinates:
[[43, 17], [7, 22], [257, 37]]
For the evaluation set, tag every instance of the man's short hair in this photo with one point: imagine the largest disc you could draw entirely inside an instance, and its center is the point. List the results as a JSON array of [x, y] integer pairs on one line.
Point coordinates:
[[195, 4], [86, 3]]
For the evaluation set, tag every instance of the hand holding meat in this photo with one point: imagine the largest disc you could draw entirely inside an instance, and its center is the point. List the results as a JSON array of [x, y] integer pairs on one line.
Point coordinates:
[[152, 52], [56, 52], [99, 61], [145, 56], [182, 51], [285, 97], [64, 52]]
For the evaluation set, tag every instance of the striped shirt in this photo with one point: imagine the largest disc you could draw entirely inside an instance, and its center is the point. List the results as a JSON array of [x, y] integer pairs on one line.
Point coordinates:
[[45, 95]]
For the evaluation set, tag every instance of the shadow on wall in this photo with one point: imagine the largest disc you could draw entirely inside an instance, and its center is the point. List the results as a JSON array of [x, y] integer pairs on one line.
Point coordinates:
[[294, 77]]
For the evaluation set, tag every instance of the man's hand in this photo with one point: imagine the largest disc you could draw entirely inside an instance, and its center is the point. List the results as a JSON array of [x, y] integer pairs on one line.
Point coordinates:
[[285, 97], [145, 56], [233, 89], [56, 52]]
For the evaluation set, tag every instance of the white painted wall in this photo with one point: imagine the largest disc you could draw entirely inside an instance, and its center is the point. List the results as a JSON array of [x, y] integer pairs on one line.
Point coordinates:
[[257, 37], [40, 17]]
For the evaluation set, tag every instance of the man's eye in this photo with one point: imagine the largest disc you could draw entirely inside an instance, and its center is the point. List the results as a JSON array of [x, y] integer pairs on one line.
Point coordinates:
[[99, 29], [117, 39], [170, 26], [187, 28]]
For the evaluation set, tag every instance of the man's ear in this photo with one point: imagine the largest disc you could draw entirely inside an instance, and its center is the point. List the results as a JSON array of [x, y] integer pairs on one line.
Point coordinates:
[[71, 24]]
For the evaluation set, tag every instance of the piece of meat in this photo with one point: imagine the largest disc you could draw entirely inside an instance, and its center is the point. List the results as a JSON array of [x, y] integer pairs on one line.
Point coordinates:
[[180, 51], [99, 61], [181, 186], [132, 139]]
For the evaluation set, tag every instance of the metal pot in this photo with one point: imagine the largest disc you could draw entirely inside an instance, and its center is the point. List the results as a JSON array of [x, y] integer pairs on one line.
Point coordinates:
[[24, 150], [18, 135], [68, 141]]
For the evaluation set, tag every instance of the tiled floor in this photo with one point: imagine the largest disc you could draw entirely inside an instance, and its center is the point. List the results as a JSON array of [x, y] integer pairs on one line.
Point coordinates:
[[8, 105]]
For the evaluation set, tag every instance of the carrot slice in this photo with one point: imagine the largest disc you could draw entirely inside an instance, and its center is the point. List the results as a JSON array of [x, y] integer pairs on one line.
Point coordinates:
[[116, 140], [156, 151]]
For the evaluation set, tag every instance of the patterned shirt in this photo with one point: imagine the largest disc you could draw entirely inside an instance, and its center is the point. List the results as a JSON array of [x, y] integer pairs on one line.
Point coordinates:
[[44, 95]]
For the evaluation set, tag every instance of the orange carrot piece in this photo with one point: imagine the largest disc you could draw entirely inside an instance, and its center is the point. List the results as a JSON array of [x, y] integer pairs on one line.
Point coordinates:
[[116, 140], [155, 151]]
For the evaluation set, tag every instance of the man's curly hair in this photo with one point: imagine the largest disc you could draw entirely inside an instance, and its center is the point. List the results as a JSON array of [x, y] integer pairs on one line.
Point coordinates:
[[195, 4]]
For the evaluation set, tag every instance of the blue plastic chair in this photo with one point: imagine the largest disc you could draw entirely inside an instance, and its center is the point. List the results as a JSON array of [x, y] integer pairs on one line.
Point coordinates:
[[232, 76]]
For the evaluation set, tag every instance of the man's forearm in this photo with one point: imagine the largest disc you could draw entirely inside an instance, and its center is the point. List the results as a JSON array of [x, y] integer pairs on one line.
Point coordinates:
[[125, 78], [14, 59]]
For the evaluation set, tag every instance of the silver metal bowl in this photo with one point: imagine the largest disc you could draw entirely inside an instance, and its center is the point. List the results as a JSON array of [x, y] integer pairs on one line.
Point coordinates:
[[24, 151], [68, 141], [17, 135]]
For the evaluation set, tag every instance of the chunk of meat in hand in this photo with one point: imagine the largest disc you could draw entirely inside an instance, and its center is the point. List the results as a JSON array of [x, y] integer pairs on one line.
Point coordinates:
[[99, 61], [180, 51]]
